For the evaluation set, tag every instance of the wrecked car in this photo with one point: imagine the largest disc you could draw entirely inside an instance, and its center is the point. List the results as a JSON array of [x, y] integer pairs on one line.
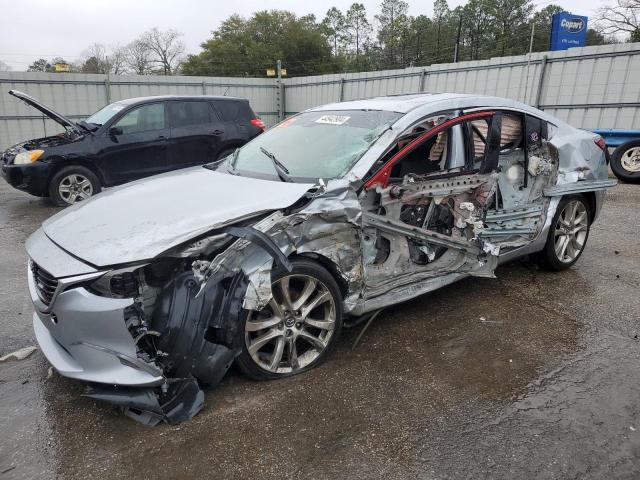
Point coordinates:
[[124, 141], [151, 290]]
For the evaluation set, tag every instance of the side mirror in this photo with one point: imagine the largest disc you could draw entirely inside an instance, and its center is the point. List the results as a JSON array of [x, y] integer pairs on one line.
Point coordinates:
[[115, 131]]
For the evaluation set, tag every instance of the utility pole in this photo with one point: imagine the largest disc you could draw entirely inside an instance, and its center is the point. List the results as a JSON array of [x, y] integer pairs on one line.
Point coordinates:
[[280, 91], [455, 52], [526, 82]]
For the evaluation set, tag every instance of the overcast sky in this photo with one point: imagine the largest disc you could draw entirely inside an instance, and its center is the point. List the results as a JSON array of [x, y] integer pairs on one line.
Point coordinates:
[[31, 29]]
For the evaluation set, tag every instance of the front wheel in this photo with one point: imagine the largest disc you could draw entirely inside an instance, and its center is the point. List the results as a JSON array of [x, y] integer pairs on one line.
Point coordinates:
[[568, 234], [73, 184], [297, 329], [625, 162]]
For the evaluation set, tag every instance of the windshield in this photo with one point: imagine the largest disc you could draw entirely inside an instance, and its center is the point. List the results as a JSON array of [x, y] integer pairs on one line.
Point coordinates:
[[314, 145], [103, 116]]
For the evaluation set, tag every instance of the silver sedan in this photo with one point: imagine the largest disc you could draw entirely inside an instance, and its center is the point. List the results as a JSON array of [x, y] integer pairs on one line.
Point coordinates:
[[150, 290]]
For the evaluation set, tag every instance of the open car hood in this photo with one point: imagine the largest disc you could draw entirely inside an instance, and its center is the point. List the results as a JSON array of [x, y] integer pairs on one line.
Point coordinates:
[[61, 119], [140, 220]]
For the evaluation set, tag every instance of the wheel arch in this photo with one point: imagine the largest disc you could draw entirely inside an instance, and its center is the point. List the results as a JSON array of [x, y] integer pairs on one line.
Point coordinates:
[[59, 163], [329, 265], [590, 198]]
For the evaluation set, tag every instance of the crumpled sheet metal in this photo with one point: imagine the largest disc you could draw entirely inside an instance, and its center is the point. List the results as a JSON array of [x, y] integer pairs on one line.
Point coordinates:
[[575, 155], [329, 225]]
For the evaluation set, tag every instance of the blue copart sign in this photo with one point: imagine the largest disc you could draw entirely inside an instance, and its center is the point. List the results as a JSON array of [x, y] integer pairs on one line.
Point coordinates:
[[568, 31]]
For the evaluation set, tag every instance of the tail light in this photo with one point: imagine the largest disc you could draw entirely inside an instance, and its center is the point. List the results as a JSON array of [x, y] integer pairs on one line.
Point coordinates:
[[256, 122], [601, 143]]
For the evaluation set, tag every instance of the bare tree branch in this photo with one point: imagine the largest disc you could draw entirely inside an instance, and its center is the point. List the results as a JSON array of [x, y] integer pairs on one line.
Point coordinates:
[[138, 57], [167, 49], [623, 16]]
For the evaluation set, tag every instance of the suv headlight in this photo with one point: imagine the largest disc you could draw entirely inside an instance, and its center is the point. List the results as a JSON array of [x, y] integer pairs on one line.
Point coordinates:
[[25, 158]]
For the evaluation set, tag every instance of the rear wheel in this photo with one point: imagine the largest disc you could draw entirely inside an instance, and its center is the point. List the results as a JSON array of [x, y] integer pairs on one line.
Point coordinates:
[[568, 234], [73, 184], [297, 329], [625, 162]]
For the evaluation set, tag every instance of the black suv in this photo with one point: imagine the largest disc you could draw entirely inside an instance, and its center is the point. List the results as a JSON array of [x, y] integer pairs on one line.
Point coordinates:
[[127, 140]]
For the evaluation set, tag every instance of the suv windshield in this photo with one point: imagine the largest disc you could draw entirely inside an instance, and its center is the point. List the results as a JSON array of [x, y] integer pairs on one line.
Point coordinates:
[[102, 116], [314, 145]]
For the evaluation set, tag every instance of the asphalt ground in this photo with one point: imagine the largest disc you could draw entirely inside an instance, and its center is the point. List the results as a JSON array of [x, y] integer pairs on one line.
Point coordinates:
[[530, 375]]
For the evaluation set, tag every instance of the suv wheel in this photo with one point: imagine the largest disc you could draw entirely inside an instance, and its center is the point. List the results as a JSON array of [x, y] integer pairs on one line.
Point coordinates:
[[297, 329], [73, 184]]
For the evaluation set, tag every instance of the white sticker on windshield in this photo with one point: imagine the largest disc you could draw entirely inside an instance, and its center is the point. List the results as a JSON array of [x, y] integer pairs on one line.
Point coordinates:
[[333, 119]]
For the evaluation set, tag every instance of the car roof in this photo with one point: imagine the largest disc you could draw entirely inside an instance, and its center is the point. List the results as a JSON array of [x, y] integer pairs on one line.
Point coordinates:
[[408, 102], [135, 100], [395, 103]]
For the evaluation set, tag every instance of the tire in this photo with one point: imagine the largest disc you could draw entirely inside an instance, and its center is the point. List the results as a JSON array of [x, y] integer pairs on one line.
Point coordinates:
[[625, 162], [566, 225], [73, 184], [312, 341], [225, 152]]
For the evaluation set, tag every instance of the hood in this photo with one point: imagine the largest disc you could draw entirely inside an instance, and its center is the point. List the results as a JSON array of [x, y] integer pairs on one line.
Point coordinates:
[[140, 220], [61, 119]]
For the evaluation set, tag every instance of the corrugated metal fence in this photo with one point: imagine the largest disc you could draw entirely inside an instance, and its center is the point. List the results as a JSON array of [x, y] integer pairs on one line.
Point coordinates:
[[592, 87]]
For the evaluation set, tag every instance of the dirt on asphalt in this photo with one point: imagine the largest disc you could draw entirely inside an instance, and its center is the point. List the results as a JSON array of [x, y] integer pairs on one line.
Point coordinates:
[[530, 375]]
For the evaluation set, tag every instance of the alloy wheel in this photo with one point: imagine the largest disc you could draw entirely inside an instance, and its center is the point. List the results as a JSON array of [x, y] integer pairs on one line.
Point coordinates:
[[630, 160], [571, 231], [295, 328], [74, 188]]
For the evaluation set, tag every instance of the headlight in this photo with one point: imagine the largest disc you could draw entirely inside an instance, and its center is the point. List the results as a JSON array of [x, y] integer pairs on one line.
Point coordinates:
[[121, 283], [25, 158]]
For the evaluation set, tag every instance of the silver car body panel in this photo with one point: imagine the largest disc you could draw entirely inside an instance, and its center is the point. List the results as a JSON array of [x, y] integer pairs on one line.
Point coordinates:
[[53, 259], [85, 337], [142, 219]]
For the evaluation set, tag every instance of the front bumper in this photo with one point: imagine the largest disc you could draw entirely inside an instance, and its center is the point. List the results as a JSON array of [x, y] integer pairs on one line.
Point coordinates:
[[84, 336], [32, 178]]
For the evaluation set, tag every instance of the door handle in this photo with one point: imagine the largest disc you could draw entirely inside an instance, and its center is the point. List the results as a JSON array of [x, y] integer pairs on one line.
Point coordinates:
[[217, 132], [161, 137]]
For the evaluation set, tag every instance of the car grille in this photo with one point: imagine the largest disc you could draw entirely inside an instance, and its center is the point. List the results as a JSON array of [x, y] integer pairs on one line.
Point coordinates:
[[46, 284]]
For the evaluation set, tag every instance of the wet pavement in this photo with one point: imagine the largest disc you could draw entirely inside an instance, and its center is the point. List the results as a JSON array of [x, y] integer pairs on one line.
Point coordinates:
[[530, 375]]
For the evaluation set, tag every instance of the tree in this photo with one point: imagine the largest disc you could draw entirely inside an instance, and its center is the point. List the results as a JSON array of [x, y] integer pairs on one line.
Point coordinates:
[[621, 17], [510, 16], [249, 46], [357, 27], [334, 27], [40, 65], [138, 57], [392, 22], [95, 60], [117, 60], [4, 67], [167, 49]]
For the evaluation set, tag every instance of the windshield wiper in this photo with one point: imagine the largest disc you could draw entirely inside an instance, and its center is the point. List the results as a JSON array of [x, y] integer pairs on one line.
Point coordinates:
[[280, 169]]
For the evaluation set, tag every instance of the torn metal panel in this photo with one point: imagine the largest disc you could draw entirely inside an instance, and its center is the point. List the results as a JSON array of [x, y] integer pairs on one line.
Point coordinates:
[[387, 224], [180, 401], [582, 186]]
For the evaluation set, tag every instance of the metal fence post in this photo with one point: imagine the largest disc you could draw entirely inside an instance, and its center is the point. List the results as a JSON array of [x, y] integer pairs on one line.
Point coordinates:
[[342, 89], [107, 90], [204, 88], [543, 68], [423, 77]]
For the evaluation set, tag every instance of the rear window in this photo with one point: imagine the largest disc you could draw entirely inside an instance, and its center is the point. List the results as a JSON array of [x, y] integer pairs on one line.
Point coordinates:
[[184, 114], [233, 110]]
